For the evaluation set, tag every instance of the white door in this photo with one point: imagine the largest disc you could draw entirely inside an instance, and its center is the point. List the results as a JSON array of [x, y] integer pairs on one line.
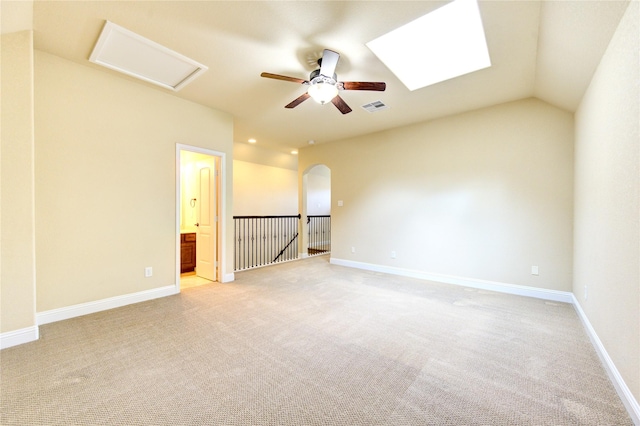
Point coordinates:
[[206, 234]]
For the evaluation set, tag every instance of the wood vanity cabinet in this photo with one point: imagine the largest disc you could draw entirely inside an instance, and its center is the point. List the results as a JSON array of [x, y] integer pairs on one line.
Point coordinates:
[[187, 252]]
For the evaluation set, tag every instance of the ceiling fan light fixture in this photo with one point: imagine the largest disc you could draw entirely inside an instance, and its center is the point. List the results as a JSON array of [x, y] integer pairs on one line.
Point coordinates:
[[324, 85], [322, 91]]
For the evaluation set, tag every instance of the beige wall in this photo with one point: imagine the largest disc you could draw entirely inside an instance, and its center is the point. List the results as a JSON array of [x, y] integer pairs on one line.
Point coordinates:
[[319, 191], [17, 253], [607, 206], [16, 15], [482, 195], [105, 177], [260, 190], [254, 153]]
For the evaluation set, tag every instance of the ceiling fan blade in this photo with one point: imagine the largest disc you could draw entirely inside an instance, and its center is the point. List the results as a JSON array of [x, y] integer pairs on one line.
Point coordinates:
[[283, 77], [364, 85], [329, 63], [300, 99], [341, 104]]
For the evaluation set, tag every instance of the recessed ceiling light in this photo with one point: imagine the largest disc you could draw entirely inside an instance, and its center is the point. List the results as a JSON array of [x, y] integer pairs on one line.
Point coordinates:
[[129, 53], [311, 142], [294, 152], [446, 43], [252, 140]]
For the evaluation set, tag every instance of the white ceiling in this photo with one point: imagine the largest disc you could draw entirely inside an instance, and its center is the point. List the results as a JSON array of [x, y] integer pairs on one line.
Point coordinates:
[[546, 49]]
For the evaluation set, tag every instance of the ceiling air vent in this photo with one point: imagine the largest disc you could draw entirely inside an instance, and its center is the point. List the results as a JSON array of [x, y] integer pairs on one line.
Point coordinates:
[[129, 53], [375, 106]]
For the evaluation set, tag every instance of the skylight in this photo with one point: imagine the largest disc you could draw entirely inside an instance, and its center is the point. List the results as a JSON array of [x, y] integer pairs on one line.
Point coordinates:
[[125, 51], [443, 44]]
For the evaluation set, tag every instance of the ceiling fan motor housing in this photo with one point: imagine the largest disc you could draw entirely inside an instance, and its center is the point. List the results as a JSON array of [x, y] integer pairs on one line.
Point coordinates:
[[316, 73], [324, 87]]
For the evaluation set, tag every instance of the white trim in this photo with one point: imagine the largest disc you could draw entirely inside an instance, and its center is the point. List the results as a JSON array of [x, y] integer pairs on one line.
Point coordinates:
[[221, 275], [630, 403], [177, 207], [73, 311], [520, 290], [632, 406], [18, 337], [30, 334], [108, 53]]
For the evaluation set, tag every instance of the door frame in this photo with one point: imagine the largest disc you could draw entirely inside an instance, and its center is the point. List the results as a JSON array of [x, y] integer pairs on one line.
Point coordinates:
[[304, 208], [221, 208]]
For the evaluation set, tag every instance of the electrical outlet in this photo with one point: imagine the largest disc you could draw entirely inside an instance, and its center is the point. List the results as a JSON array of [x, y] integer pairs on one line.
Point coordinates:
[[393, 254], [353, 249], [534, 270], [148, 271]]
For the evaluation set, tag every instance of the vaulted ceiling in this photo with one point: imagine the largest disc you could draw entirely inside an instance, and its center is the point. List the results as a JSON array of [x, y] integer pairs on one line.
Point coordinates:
[[544, 49]]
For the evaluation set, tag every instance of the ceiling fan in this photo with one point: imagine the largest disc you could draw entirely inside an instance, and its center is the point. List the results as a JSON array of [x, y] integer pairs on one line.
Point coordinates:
[[324, 85]]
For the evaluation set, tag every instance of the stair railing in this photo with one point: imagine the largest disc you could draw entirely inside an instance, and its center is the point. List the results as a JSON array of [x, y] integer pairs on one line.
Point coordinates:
[[264, 240], [319, 228]]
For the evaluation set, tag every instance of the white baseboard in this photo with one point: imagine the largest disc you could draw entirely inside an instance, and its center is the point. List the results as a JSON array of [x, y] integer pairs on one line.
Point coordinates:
[[520, 290], [630, 403], [632, 406], [227, 278], [73, 311], [29, 334], [18, 337]]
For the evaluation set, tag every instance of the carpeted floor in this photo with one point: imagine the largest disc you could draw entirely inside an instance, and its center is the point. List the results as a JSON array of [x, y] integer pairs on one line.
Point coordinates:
[[309, 343]]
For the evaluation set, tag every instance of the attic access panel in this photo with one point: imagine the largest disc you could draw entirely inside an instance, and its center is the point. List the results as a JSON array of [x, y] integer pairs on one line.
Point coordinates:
[[129, 53]]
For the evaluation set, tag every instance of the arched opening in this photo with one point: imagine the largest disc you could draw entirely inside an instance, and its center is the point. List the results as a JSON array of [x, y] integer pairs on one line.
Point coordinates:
[[316, 204]]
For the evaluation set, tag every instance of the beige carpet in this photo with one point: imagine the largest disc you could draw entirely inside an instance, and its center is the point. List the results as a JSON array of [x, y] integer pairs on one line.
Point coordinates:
[[309, 343]]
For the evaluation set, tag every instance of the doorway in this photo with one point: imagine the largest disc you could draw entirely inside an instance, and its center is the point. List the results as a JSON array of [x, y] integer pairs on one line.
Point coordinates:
[[316, 196], [198, 253]]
